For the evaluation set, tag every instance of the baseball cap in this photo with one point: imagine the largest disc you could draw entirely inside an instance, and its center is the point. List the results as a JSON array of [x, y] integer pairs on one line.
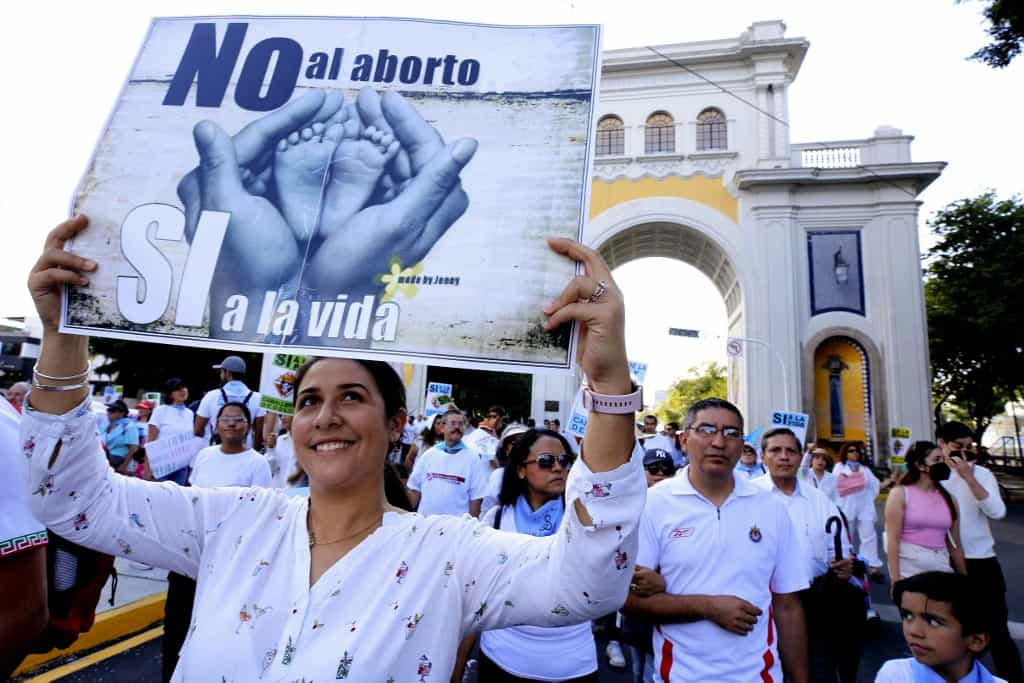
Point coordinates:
[[118, 405], [231, 364], [512, 431], [145, 405], [653, 455]]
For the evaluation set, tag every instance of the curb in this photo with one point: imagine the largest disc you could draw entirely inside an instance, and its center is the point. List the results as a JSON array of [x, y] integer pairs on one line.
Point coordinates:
[[109, 625]]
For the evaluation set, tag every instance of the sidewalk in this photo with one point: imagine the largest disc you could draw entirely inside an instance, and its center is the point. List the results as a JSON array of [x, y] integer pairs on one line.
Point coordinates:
[[138, 603]]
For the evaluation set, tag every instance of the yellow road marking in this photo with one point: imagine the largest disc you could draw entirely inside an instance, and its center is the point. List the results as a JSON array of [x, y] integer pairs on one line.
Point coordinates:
[[98, 656]]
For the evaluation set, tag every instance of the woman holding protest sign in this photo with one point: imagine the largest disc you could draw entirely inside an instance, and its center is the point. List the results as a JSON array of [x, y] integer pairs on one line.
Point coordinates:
[[339, 584], [858, 487]]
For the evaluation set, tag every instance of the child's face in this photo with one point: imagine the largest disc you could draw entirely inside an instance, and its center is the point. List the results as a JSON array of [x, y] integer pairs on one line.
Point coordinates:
[[934, 635]]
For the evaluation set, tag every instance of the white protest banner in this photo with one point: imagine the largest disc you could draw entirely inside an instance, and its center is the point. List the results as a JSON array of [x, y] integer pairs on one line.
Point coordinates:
[[438, 397], [899, 444], [638, 370], [172, 452], [154, 396], [795, 422], [277, 381], [379, 162]]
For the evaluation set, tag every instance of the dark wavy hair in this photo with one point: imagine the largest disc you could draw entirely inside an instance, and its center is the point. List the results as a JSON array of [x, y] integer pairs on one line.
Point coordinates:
[[511, 485], [392, 390], [429, 437]]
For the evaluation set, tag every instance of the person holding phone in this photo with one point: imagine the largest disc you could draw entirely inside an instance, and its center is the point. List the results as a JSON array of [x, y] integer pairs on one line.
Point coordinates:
[[977, 493]]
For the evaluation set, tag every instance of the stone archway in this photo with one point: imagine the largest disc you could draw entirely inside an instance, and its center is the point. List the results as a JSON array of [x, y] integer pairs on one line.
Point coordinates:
[[690, 232]]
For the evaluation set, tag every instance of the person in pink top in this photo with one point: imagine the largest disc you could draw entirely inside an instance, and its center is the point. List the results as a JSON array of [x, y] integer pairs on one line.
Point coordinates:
[[921, 518]]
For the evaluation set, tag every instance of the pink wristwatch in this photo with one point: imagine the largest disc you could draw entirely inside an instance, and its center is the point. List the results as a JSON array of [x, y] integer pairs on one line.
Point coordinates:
[[613, 404]]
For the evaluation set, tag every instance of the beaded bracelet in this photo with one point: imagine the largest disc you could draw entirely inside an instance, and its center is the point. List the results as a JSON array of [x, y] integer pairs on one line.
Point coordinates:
[[52, 378]]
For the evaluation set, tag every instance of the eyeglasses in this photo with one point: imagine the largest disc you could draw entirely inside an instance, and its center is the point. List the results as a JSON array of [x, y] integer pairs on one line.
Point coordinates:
[[231, 419], [662, 468], [546, 461], [709, 431]]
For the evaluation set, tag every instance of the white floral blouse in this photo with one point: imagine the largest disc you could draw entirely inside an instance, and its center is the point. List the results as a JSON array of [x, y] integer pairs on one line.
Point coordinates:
[[393, 609]]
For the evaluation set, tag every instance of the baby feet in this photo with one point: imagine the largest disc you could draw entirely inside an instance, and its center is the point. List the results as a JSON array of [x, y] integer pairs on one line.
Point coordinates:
[[301, 165], [357, 167], [339, 161]]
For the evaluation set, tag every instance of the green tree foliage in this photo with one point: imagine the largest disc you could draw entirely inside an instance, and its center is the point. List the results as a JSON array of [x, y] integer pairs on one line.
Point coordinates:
[[1006, 28], [705, 381], [142, 366], [973, 289]]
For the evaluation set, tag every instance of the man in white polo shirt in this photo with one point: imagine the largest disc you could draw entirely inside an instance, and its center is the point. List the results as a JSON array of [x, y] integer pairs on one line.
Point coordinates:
[[835, 613], [731, 562], [450, 478], [232, 379]]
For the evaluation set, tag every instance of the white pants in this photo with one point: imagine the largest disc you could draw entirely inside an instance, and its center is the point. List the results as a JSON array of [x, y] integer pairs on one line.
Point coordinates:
[[915, 559], [868, 540]]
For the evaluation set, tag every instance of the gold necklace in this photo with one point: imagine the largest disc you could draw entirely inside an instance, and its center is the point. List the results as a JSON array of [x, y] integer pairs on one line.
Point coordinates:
[[312, 534]]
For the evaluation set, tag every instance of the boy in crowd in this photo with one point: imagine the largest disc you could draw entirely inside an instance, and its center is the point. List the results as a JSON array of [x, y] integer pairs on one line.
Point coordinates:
[[946, 627]]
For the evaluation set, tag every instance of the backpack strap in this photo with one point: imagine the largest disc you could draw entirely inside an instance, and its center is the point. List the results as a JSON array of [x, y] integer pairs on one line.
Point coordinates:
[[497, 516]]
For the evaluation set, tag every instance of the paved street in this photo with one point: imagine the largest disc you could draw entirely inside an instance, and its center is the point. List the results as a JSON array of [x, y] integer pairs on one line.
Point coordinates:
[[142, 663]]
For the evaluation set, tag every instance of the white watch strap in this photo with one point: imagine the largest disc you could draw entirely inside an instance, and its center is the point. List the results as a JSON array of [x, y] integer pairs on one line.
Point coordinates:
[[614, 404]]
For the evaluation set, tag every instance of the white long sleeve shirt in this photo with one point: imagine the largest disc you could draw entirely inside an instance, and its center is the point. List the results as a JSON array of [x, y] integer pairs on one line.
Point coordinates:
[[975, 534], [860, 505], [393, 609]]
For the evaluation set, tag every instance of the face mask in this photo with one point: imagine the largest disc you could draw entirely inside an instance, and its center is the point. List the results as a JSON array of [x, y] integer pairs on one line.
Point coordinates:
[[939, 471]]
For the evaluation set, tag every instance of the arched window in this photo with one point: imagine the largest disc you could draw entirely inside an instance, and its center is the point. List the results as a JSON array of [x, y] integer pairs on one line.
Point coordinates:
[[611, 136], [659, 134], [711, 131]]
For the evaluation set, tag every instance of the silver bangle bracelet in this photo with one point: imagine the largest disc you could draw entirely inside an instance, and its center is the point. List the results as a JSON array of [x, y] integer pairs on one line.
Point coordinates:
[[63, 387], [52, 378]]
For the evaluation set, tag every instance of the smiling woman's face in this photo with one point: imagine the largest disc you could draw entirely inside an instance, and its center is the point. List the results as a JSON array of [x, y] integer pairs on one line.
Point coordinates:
[[340, 429]]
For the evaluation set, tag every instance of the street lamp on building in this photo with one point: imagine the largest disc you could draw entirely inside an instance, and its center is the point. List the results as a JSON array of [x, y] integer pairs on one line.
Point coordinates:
[[841, 267]]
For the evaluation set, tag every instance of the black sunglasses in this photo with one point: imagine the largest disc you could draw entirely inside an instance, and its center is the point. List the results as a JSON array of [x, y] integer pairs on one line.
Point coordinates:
[[546, 461], [664, 468]]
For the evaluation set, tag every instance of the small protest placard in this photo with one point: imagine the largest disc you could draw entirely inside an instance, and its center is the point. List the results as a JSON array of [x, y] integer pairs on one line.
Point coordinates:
[[439, 395], [795, 422], [639, 370], [172, 452], [899, 444], [277, 381]]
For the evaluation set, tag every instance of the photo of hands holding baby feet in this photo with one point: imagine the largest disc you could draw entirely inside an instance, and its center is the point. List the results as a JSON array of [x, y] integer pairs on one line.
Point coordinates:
[[330, 189]]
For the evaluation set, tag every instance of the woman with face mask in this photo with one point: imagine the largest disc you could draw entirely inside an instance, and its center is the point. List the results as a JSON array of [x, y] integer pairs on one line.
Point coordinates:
[[921, 518]]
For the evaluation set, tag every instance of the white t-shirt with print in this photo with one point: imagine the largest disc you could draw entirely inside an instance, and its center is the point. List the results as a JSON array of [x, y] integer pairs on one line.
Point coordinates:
[[19, 530], [172, 419], [236, 391], [214, 467], [447, 482]]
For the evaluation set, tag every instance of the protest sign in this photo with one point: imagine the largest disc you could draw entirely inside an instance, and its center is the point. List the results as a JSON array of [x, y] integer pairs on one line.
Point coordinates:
[[172, 452], [112, 392], [438, 397], [277, 381], [795, 422], [899, 444], [578, 418], [638, 370], [153, 396], [384, 173]]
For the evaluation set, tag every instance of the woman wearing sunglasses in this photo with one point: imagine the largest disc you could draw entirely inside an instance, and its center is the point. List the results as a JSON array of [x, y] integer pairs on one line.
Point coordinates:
[[532, 501]]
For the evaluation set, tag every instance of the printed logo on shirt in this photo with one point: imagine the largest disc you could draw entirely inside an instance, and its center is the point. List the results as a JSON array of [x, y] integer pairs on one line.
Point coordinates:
[[755, 534], [682, 532], [450, 478]]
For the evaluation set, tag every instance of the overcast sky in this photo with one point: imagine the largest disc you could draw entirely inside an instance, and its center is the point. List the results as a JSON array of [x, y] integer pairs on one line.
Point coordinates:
[[870, 63]]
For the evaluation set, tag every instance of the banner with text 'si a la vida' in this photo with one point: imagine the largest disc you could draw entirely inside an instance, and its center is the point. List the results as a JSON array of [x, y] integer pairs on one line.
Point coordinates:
[[362, 187]]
